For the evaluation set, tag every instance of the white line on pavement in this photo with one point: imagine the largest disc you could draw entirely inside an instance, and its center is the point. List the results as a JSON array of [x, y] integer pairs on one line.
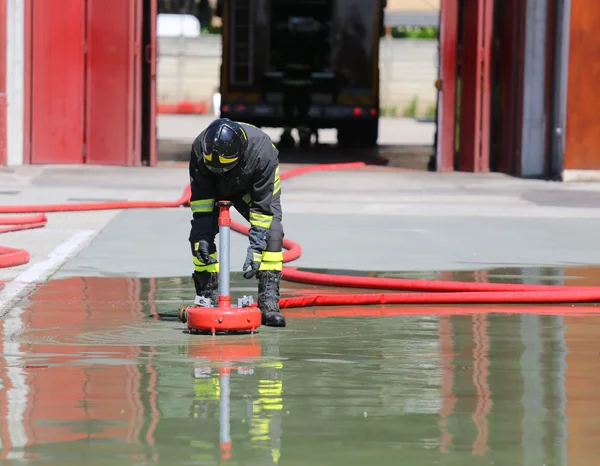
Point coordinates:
[[24, 283]]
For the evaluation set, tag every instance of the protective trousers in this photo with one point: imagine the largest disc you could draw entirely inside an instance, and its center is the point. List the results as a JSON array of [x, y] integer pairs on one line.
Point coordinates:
[[269, 272]]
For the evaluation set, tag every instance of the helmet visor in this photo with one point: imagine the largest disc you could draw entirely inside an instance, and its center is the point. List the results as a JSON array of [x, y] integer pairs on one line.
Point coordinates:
[[219, 164]]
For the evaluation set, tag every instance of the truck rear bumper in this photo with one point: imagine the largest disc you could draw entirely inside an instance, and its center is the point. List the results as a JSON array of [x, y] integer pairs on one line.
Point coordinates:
[[319, 116]]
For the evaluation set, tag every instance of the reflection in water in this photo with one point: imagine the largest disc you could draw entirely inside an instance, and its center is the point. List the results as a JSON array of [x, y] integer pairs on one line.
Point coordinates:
[[93, 371]]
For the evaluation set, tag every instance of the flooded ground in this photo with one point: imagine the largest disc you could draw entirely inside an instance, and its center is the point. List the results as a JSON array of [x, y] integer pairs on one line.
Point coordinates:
[[99, 371]]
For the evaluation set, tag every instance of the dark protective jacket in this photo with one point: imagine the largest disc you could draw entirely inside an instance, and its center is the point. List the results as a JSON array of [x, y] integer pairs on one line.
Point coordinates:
[[255, 178]]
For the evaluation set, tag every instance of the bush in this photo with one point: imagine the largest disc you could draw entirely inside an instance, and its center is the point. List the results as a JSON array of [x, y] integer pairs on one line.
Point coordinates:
[[410, 111], [431, 112], [388, 110], [211, 29], [410, 32]]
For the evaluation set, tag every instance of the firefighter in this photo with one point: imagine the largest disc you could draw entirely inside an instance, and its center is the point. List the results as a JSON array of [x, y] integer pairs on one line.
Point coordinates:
[[237, 162]]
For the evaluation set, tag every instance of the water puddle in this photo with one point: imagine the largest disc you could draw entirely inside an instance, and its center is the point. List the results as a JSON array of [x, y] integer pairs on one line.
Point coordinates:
[[100, 371]]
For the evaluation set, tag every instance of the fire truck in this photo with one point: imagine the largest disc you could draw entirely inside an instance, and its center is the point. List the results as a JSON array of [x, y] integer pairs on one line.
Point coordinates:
[[309, 63]]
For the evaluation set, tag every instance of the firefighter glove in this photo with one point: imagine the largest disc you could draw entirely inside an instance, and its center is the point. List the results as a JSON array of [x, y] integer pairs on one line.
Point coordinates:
[[253, 260], [201, 251], [258, 238]]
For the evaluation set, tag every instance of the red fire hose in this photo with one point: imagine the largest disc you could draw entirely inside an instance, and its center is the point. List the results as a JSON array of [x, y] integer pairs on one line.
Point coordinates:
[[429, 291]]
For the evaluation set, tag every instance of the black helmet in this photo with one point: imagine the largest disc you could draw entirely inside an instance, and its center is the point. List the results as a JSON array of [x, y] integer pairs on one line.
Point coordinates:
[[223, 145]]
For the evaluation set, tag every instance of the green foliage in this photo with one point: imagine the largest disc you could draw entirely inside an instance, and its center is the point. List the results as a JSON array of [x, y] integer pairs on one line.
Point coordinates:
[[410, 111], [388, 110], [410, 32], [431, 112], [211, 29]]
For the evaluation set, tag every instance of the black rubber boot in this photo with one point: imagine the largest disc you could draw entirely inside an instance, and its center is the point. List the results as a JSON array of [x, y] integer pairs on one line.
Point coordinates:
[[207, 286], [268, 298]]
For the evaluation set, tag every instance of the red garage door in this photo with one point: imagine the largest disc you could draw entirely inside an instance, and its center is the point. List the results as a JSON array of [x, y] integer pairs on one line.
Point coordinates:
[[91, 84], [57, 81]]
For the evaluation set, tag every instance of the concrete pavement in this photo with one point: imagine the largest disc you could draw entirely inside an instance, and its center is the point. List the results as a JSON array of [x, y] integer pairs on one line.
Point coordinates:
[[371, 219]]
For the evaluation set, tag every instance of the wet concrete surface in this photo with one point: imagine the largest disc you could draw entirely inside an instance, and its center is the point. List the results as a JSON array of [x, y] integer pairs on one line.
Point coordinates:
[[99, 371], [96, 369]]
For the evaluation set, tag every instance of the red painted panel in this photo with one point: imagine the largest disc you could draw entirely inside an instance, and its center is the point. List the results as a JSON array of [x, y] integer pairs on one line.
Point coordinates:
[[475, 95], [114, 84], [487, 29], [448, 71], [2, 83], [583, 93], [57, 81], [151, 55], [27, 54]]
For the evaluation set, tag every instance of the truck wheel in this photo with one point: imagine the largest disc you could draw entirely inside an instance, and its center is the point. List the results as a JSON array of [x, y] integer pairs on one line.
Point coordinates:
[[345, 136]]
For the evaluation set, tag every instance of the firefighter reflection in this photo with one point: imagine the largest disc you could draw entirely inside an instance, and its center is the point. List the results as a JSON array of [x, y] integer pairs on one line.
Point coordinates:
[[261, 411]]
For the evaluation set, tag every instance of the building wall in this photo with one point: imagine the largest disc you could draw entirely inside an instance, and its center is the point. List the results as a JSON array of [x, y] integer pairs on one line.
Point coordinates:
[[413, 5], [15, 81], [3, 23], [534, 118], [189, 70]]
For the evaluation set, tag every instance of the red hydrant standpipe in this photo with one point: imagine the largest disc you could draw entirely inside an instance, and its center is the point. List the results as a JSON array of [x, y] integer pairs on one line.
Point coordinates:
[[225, 318]]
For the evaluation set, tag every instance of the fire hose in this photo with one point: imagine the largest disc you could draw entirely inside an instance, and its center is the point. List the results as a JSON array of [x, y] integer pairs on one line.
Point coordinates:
[[414, 291]]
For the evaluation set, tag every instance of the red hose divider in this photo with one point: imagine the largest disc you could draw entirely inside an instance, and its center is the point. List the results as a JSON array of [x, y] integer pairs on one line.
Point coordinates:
[[40, 218], [431, 291], [10, 257], [484, 297]]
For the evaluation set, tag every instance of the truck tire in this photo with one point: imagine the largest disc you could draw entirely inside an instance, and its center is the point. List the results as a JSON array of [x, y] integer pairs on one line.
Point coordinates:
[[345, 136], [369, 133]]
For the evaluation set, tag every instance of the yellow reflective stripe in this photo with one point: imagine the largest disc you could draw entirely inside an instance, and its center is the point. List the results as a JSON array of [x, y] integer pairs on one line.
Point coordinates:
[[202, 205], [260, 220], [277, 181], [273, 365], [230, 160], [207, 268], [275, 455], [199, 262], [222, 159], [247, 198], [270, 388], [270, 256], [207, 389], [201, 266], [244, 133], [265, 265], [257, 256], [270, 392]]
